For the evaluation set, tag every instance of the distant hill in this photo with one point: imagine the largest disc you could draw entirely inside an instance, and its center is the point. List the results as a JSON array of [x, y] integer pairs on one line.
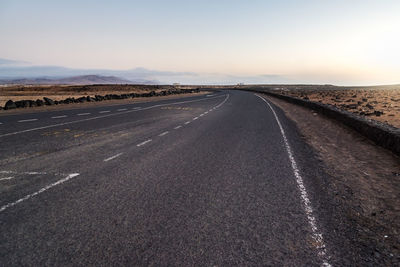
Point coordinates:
[[74, 80]]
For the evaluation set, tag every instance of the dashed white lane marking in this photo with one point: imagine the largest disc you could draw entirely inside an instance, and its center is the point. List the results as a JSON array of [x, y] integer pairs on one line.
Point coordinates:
[[177, 127], [187, 122], [9, 205], [1, 123], [28, 120], [6, 178], [113, 157], [122, 109], [59, 117], [195, 118], [28, 173], [316, 234], [83, 114], [209, 95], [143, 143], [164, 133], [201, 115], [136, 108], [104, 111], [206, 112], [107, 115]]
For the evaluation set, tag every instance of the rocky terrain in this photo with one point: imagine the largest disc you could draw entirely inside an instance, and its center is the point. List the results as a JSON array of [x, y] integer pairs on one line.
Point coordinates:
[[381, 103]]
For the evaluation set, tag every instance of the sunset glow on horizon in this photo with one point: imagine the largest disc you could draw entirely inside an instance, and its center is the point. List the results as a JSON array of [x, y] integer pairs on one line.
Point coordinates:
[[338, 42]]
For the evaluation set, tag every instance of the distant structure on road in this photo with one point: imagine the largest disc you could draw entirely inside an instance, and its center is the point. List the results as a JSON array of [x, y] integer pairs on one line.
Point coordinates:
[[240, 84], [176, 84]]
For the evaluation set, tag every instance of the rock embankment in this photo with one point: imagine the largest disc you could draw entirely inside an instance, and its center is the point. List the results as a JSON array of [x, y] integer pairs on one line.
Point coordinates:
[[49, 102]]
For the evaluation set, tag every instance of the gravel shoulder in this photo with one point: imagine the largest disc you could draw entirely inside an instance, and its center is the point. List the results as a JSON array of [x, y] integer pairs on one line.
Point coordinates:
[[366, 181]]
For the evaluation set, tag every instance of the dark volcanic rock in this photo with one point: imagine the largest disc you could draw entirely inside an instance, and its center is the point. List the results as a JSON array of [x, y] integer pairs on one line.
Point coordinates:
[[10, 105], [48, 101], [39, 102], [352, 106], [369, 106]]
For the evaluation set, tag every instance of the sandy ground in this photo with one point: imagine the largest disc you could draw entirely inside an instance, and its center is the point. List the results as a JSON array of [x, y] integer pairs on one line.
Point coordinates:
[[366, 177], [378, 104]]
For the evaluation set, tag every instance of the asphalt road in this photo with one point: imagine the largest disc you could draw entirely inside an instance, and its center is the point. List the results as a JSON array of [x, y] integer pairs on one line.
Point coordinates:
[[220, 179]]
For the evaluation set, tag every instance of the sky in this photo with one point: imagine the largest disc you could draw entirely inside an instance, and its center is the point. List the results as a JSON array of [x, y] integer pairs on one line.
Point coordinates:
[[338, 42]]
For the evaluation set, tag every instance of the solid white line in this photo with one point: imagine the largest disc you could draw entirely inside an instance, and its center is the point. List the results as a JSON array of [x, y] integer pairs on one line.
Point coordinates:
[[59, 117], [187, 122], [164, 133], [104, 111], [9, 205], [105, 116], [113, 157], [28, 120], [83, 114], [6, 178], [122, 109], [195, 118], [316, 234], [177, 127], [145, 142]]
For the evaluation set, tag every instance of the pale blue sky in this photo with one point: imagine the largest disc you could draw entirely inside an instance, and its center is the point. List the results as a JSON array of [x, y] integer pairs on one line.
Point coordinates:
[[311, 41]]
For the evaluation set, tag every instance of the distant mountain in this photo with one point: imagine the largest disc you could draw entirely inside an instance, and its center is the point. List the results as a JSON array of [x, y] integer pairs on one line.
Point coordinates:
[[75, 80], [28, 73]]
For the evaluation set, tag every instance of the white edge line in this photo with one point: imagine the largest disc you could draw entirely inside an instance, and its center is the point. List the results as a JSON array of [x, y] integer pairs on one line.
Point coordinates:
[[145, 142], [316, 234], [9, 205], [113, 157], [6, 178], [105, 116]]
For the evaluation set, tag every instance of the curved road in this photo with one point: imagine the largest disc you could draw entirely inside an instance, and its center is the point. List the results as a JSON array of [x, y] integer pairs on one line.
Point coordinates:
[[219, 179]]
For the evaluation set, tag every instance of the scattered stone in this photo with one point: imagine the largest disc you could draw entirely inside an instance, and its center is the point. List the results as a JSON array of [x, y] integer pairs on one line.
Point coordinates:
[[378, 113], [352, 106], [369, 106]]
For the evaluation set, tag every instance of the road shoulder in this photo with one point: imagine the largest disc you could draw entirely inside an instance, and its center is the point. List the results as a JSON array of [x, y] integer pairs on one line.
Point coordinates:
[[366, 180]]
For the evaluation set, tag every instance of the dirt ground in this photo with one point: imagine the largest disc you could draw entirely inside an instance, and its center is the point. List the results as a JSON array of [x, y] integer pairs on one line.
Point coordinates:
[[60, 92], [378, 104], [366, 177]]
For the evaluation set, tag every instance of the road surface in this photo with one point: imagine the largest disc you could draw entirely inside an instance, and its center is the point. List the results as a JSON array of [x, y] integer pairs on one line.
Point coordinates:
[[219, 179]]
